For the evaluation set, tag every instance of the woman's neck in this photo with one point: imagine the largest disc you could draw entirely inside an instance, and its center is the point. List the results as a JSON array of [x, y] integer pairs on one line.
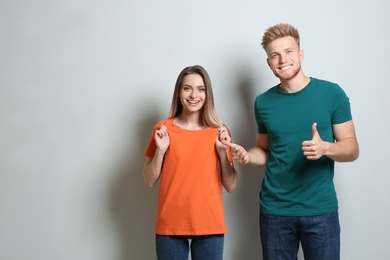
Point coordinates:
[[189, 121]]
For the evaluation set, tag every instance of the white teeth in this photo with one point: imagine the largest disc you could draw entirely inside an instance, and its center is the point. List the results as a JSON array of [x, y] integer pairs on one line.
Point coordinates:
[[285, 68]]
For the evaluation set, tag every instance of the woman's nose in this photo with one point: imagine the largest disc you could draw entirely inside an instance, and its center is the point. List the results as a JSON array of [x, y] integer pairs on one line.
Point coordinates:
[[193, 94]]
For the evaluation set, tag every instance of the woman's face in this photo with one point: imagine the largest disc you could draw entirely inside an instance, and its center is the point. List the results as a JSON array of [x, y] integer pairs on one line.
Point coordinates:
[[192, 93]]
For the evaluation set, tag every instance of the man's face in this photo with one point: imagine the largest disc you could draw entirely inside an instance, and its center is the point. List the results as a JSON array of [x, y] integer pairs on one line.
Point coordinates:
[[284, 57]]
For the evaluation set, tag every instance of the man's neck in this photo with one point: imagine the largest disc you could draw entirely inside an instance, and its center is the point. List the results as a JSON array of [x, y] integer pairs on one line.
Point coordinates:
[[295, 84]]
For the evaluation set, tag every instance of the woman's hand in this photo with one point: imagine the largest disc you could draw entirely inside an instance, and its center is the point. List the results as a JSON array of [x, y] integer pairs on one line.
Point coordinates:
[[161, 138], [223, 137]]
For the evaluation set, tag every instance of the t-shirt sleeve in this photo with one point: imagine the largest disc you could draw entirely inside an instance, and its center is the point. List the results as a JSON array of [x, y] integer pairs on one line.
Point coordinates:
[[151, 149], [341, 106], [261, 129], [229, 149]]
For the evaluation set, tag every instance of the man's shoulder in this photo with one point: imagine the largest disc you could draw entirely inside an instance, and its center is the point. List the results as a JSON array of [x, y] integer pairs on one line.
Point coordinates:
[[322, 82], [268, 92], [326, 88]]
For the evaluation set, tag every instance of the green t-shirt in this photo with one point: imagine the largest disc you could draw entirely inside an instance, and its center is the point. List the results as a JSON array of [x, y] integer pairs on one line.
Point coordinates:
[[293, 185]]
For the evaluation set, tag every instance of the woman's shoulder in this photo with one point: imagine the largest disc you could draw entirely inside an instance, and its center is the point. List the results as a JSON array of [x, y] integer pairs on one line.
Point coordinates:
[[167, 122]]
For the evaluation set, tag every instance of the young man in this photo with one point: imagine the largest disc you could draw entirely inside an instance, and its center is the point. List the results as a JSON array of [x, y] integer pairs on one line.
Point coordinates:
[[304, 126]]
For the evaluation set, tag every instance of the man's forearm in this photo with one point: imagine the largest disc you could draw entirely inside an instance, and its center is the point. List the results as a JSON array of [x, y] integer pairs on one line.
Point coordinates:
[[257, 156], [346, 150]]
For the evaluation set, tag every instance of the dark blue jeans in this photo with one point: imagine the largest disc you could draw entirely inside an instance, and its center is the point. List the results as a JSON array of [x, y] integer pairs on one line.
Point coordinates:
[[318, 235], [207, 247]]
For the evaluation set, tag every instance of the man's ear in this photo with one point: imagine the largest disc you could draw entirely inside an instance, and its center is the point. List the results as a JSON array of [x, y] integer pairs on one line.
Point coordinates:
[[301, 55], [269, 65]]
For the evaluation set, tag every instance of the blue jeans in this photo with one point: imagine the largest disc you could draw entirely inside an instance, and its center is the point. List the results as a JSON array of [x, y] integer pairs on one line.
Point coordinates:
[[318, 235], [207, 247]]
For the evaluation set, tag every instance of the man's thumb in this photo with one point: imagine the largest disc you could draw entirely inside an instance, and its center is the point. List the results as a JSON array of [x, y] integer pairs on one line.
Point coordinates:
[[227, 143], [314, 130]]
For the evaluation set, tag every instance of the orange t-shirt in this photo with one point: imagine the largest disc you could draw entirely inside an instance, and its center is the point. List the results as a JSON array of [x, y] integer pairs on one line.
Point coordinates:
[[190, 195]]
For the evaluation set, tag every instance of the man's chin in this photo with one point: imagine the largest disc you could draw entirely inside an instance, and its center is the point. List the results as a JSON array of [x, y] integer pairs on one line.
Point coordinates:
[[285, 76]]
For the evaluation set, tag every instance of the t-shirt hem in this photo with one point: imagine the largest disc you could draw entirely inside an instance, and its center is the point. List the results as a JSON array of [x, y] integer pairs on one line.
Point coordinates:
[[294, 214], [203, 233]]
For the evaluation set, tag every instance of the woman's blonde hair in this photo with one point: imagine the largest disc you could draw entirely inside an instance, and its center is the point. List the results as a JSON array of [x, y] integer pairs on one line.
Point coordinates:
[[279, 31], [210, 117]]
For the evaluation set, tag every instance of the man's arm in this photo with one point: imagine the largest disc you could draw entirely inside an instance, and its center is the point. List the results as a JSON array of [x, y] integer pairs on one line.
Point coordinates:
[[344, 149], [256, 156]]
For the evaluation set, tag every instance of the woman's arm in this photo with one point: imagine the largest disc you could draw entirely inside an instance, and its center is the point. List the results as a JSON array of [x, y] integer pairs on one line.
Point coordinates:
[[228, 172], [152, 168]]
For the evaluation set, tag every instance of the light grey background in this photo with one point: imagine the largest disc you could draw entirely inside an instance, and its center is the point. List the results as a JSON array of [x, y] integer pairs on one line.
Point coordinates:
[[83, 82]]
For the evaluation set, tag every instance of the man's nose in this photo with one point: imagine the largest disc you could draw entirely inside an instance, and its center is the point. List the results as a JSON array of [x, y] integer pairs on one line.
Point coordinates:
[[283, 59]]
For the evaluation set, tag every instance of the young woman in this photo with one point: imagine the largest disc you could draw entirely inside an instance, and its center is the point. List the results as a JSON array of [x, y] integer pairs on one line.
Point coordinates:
[[186, 154]]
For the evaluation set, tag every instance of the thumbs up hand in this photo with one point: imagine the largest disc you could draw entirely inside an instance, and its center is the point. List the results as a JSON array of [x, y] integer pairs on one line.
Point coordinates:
[[315, 148]]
